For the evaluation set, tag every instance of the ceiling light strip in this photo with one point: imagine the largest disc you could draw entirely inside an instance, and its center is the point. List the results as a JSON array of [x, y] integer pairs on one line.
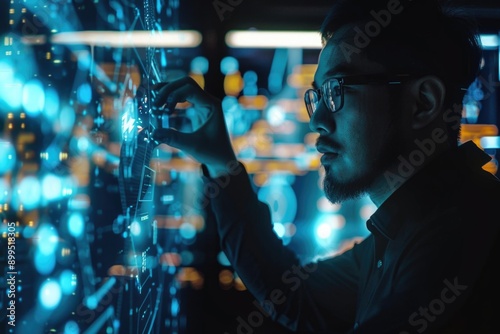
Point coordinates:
[[130, 39], [300, 39]]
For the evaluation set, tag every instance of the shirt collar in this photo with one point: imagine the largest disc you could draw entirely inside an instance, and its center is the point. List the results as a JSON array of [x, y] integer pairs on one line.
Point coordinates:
[[416, 196]]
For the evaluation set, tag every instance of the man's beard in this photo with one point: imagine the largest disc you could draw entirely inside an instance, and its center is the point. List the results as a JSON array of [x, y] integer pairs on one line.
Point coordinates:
[[338, 191]]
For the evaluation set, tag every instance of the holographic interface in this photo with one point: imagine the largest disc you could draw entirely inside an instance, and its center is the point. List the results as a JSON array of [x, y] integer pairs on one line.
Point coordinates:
[[105, 231]]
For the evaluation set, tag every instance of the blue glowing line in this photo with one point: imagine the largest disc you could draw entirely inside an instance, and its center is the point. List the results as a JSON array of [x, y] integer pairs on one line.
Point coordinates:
[[490, 142], [97, 325], [93, 300], [489, 42], [143, 308], [277, 72]]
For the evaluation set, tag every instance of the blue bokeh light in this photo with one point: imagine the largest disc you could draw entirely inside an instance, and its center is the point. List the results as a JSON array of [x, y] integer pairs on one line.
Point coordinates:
[[281, 198], [51, 187], [7, 157], [187, 257], [83, 144], [71, 327], [84, 60], [50, 294], [29, 192], [324, 230], [135, 228], [28, 232], [11, 92], [47, 239], [187, 231], [51, 107], [68, 281], [250, 78], [229, 65], [174, 307], [230, 104], [33, 97], [66, 119], [84, 94], [44, 263], [76, 225], [276, 115], [199, 65], [279, 229]]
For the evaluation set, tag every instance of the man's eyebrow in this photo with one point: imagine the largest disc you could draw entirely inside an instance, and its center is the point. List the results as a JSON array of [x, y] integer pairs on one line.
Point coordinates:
[[340, 69]]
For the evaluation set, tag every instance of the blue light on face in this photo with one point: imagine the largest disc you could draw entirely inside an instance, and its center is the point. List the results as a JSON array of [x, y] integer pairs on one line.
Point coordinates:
[[76, 225], [50, 294], [33, 97], [7, 157]]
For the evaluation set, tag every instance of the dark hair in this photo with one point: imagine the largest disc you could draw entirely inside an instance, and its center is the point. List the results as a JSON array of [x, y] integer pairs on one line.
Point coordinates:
[[421, 37]]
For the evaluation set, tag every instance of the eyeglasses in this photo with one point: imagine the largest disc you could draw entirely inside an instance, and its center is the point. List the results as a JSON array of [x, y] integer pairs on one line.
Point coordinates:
[[332, 90]]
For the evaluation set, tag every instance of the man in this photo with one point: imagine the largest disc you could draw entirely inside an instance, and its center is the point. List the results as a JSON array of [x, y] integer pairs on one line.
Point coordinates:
[[386, 103]]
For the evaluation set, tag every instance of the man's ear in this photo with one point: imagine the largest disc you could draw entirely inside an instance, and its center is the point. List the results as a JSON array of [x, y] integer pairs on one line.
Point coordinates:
[[428, 95]]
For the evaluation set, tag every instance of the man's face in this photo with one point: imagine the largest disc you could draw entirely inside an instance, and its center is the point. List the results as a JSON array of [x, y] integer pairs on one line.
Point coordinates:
[[363, 138]]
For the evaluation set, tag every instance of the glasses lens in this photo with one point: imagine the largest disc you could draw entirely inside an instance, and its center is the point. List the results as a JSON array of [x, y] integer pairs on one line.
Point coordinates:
[[332, 94], [311, 99]]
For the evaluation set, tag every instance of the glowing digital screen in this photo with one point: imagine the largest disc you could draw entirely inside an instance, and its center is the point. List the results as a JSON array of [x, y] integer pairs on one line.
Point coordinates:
[[103, 230]]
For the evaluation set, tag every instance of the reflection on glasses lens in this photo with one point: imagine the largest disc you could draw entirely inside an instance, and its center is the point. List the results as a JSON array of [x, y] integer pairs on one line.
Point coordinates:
[[311, 99], [331, 103], [331, 93]]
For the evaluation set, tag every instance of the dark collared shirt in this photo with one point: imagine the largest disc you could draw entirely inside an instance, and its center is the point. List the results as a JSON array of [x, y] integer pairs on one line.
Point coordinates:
[[426, 267]]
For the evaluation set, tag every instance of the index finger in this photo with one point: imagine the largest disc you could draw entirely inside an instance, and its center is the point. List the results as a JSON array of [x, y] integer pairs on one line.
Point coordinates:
[[182, 90]]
